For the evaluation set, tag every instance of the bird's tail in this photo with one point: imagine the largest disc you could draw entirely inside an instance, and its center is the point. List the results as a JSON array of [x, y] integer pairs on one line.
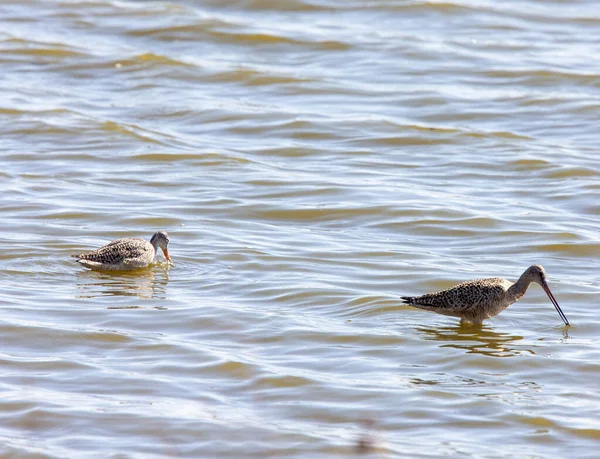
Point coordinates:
[[408, 300]]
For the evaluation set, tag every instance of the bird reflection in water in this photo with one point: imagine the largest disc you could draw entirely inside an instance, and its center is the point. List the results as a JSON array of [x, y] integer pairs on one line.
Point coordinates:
[[367, 443], [144, 284], [476, 340]]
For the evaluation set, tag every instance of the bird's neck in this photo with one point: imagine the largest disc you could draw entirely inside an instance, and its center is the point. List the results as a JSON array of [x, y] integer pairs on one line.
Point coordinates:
[[518, 289]]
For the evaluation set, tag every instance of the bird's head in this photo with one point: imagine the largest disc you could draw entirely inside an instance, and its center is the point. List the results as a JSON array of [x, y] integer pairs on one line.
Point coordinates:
[[537, 273], [161, 239]]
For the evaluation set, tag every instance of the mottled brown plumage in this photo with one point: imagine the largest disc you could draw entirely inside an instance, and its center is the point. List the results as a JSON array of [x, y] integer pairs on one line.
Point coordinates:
[[126, 254], [476, 300]]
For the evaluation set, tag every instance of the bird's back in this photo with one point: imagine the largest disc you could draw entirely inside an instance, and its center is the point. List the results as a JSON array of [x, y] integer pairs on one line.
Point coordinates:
[[470, 298], [118, 251]]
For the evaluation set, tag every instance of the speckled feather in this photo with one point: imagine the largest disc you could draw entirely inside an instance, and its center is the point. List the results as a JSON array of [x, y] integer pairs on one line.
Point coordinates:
[[470, 300], [119, 250]]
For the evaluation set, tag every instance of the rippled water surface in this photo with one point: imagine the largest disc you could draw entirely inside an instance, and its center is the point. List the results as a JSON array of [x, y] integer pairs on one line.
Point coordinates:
[[312, 161]]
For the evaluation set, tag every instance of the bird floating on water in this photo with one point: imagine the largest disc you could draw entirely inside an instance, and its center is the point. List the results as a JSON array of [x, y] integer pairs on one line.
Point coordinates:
[[476, 300], [126, 254]]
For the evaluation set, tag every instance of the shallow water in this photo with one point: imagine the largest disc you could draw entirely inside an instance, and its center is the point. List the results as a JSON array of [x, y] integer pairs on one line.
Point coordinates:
[[312, 161]]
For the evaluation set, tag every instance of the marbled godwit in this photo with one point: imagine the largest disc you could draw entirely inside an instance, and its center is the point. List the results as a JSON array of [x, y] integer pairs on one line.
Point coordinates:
[[126, 254], [476, 300]]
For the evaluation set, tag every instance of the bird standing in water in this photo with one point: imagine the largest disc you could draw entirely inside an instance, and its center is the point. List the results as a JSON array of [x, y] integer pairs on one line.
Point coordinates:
[[476, 300], [126, 254]]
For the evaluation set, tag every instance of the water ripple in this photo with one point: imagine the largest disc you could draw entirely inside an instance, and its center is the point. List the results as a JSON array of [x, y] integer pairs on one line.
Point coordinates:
[[312, 161]]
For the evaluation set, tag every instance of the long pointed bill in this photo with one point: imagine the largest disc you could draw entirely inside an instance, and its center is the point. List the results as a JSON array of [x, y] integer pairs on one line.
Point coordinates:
[[555, 303], [166, 254]]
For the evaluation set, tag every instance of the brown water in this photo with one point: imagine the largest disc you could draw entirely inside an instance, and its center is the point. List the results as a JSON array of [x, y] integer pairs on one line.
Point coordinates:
[[312, 161]]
